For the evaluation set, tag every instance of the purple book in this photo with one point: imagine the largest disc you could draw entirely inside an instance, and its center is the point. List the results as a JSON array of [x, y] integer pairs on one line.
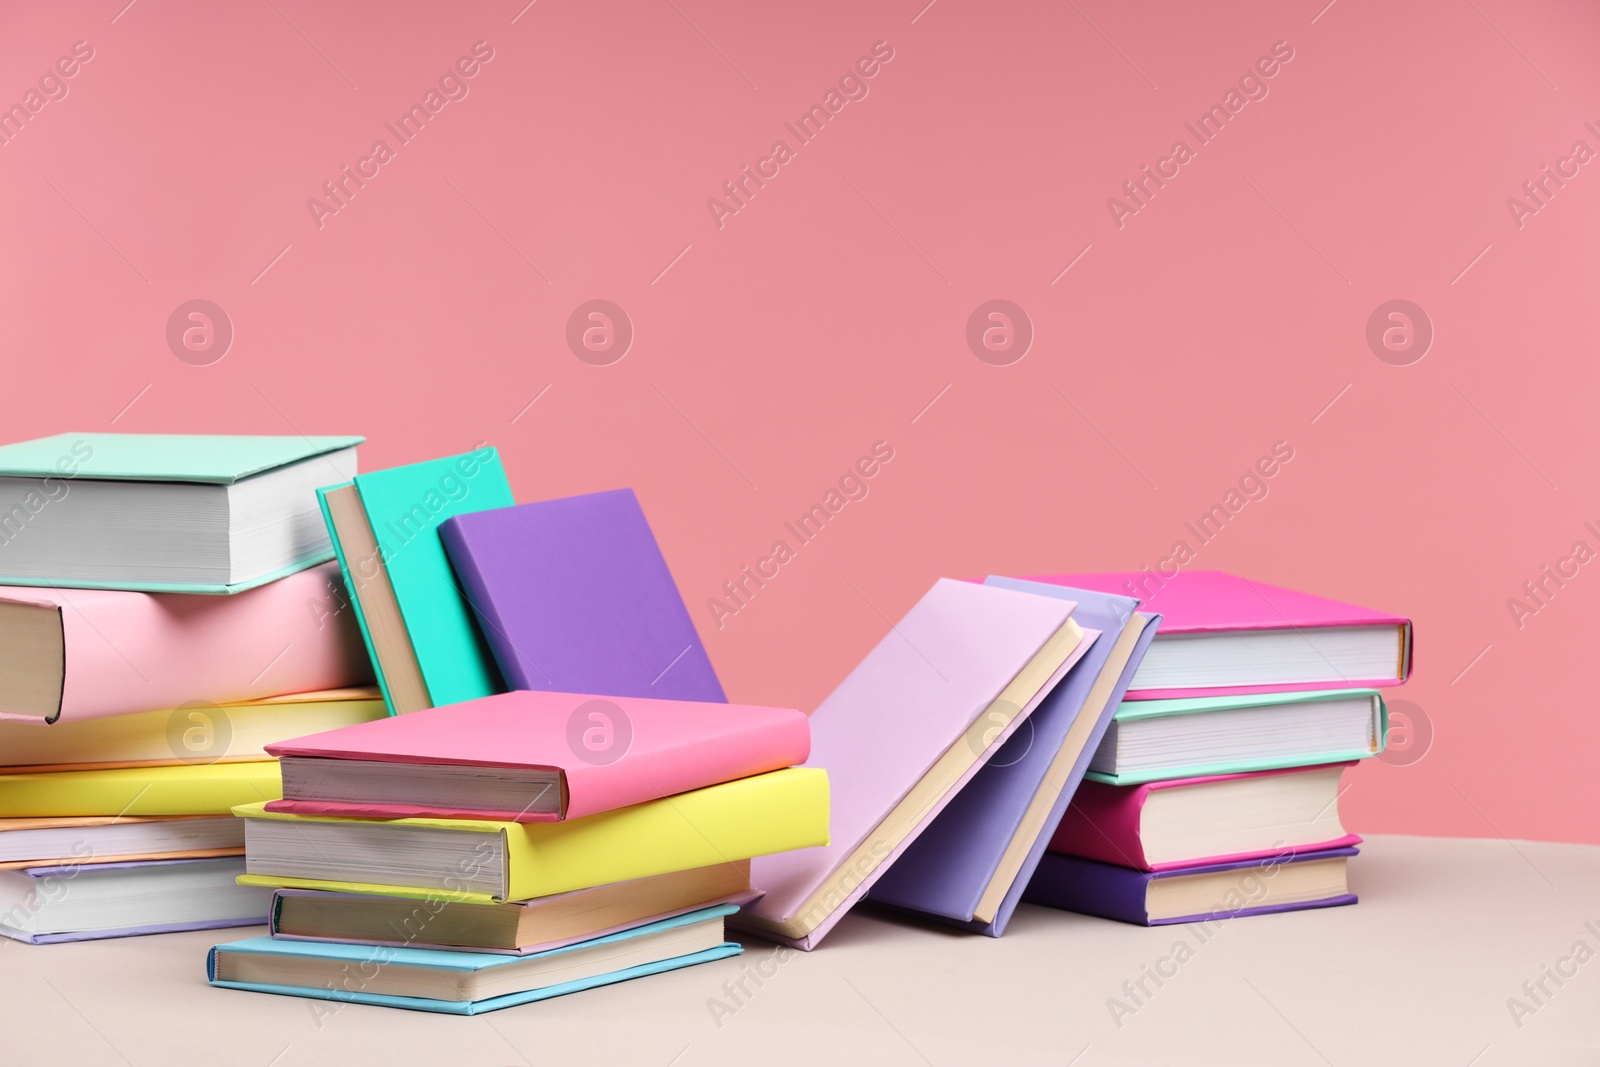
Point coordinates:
[[574, 596], [1288, 882], [954, 872], [128, 899]]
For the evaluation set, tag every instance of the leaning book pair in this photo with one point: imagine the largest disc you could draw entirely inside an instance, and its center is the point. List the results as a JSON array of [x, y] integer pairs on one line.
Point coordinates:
[[158, 627], [477, 855], [1215, 791]]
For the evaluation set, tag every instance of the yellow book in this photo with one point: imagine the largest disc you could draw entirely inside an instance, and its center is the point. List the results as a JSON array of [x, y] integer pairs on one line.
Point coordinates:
[[197, 733], [212, 789], [493, 862]]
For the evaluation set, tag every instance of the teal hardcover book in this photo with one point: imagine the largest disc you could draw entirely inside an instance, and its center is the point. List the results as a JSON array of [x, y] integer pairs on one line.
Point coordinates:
[[1154, 740], [165, 513], [425, 643], [475, 982], [217, 459]]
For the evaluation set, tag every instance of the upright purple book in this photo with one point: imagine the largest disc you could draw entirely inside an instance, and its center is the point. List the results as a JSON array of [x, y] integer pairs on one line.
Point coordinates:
[[574, 596]]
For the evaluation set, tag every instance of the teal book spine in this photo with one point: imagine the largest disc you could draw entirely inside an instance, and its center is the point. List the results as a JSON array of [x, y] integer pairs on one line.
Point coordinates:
[[405, 506]]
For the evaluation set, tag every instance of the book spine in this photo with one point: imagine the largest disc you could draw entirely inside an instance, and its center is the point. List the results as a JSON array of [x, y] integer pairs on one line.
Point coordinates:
[[351, 594], [1073, 884]]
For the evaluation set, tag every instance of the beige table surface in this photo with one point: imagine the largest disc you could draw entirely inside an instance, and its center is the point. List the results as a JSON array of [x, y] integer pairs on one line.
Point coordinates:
[[1418, 973]]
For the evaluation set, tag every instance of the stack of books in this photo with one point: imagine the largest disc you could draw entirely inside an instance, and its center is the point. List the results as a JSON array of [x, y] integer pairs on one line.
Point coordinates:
[[547, 790], [484, 848], [1215, 791], [166, 611], [475, 856]]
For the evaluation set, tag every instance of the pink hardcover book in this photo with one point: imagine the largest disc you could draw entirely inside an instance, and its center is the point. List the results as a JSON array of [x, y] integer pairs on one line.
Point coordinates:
[[570, 755], [1247, 816], [88, 653], [1222, 635], [928, 689]]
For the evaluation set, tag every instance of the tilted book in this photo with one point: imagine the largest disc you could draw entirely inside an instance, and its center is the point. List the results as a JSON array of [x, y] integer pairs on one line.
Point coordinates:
[[905, 731], [575, 596], [418, 627], [971, 865]]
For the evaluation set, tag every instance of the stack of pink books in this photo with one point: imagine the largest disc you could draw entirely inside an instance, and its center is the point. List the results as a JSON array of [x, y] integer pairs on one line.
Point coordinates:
[[1214, 792]]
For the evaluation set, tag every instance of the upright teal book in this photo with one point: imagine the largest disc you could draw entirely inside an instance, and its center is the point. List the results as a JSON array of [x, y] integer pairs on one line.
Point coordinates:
[[425, 643]]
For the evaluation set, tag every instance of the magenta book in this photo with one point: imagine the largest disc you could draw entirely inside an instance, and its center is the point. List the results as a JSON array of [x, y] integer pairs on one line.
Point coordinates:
[[1223, 635], [1182, 822]]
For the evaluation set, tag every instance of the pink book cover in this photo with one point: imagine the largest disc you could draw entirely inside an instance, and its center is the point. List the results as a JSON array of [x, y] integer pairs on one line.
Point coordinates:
[[1102, 823], [1195, 602], [913, 696], [611, 751], [130, 652]]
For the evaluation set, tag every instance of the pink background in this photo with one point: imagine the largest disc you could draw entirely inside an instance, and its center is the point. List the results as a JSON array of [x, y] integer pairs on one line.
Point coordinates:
[[1225, 316]]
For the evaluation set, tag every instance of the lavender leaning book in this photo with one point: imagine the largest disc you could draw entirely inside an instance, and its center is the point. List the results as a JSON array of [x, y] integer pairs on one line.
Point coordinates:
[[970, 866], [1287, 882], [574, 596]]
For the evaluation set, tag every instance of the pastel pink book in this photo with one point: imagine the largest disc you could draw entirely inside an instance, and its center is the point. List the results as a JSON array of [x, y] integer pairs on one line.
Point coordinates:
[[1185, 822], [1222, 635], [86, 653], [530, 756]]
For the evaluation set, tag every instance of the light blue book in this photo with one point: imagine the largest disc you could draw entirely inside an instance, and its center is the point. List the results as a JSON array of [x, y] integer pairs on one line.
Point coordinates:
[[1194, 737], [467, 983]]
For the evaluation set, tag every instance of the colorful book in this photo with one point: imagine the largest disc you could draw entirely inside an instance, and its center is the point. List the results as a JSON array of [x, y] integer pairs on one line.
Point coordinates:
[[74, 902], [1282, 882], [533, 757], [196, 733], [466, 983], [574, 596], [174, 513], [908, 728], [69, 654], [1191, 738], [971, 865], [198, 789], [418, 627], [1225, 635], [1185, 822], [518, 928], [108, 839], [494, 862]]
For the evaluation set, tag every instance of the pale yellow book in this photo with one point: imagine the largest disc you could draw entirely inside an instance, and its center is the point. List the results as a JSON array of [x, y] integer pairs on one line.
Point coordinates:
[[210, 789], [193, 734], [473, 861]]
